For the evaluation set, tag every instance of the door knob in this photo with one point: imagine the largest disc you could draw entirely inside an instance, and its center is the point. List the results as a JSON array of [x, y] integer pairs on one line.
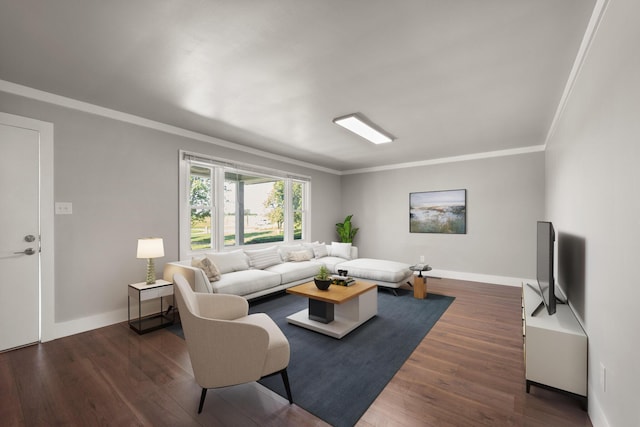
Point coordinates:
[[28, 251]]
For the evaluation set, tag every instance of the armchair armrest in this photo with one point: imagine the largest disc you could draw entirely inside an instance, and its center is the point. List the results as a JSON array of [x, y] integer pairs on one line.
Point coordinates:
[[222, 306]]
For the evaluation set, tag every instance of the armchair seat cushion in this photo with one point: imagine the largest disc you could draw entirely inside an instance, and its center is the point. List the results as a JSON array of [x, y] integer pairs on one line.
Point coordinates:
[[278, 351]]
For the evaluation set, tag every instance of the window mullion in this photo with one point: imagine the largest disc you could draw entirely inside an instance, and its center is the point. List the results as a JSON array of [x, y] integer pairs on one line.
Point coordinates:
[[218, 207], [288, 211]]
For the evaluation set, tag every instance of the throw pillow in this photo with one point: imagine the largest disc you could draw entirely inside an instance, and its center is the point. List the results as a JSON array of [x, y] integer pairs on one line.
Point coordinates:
[[341, 250], [285, 251], [209, 268], [228, 262], [297, 256], [263, 258], [320, 250]]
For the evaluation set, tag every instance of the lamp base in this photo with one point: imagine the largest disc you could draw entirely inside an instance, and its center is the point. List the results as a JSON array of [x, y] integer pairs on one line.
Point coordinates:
[[151, 272]]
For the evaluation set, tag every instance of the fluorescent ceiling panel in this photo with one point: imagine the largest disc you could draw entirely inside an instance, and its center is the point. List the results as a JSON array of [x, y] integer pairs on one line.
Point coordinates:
[[362, 127]]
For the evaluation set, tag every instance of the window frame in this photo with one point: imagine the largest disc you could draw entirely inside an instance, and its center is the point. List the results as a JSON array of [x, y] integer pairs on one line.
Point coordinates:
[[218, 169]]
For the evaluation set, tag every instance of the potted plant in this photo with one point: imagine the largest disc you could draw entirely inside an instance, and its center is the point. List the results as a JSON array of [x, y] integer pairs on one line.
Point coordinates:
[[346, 231], [322, 279]]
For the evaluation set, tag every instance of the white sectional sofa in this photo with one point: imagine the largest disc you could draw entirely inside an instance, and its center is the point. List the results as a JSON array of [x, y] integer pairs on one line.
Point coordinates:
[[253, 273]]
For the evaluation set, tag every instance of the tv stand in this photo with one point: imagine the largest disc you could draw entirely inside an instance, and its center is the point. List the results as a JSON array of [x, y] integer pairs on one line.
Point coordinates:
[[537, 309], [555, 347], [541, 305]]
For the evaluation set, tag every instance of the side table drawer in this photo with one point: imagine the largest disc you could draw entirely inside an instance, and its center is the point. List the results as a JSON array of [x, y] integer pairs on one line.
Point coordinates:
[[151, 293], [163, 291]]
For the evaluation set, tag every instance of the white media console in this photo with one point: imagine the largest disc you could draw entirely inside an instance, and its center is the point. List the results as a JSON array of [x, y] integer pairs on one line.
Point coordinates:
[[555, 346]]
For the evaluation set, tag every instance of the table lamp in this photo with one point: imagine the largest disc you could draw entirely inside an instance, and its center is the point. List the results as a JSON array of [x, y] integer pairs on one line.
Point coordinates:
[[150, 248]]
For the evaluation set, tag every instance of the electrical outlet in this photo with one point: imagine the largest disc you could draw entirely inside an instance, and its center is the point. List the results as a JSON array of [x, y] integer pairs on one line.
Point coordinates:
[[603, 377], [64, 208]]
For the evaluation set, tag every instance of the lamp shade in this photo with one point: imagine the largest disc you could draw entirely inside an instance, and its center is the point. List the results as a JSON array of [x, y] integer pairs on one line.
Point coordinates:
[[150, 247]]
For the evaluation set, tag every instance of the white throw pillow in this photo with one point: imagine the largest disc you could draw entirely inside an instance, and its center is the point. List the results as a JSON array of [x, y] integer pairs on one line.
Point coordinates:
[[341, 250], [285, 251], [319, 250], [297, 256], [209, 268], [228, 262], [263, 258]]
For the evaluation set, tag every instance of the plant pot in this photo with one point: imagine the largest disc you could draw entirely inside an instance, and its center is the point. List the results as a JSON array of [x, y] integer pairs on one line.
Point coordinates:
[[323, 285]]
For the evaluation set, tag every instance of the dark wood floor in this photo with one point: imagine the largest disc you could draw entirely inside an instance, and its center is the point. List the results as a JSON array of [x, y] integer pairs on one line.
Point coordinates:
[[467, 371]]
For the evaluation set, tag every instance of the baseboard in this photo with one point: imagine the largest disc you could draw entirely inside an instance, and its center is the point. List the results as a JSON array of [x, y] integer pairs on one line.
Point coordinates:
[[475, 277], [596, 414], [84, 324]]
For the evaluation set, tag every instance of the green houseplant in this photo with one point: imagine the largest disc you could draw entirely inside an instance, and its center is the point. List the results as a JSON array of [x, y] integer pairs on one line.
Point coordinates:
[[346, 231], [322, 279]]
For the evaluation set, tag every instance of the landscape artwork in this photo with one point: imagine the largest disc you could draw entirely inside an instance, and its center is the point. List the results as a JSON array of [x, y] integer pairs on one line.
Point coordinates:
[[438, 212]]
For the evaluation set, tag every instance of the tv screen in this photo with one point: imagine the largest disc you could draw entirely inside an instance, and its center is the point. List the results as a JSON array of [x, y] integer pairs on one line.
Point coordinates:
[[545, 253]]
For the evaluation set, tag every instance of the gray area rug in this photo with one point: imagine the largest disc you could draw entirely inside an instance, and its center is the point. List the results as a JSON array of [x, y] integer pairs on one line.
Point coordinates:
[[337, 380]]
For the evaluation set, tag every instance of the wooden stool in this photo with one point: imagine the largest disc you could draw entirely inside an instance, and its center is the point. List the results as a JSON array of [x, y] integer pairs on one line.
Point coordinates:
[[420, 286], [420, 282]]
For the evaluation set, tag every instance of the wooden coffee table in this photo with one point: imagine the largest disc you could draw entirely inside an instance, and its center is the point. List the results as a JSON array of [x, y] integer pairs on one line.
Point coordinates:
[[338, 310]]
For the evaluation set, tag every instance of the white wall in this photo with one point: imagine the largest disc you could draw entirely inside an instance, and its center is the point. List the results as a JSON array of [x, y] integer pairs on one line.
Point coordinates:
[[505, 198], [123, 182], [593, 188]]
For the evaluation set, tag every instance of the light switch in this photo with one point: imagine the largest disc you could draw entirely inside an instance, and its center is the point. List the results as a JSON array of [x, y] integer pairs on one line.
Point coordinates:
[[64, 208]]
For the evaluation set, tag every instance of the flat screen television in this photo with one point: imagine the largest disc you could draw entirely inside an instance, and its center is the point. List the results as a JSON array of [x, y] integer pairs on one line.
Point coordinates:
[[544, 273]]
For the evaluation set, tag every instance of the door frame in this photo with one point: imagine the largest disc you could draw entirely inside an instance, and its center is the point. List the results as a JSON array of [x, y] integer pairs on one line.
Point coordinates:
[[47, 270]]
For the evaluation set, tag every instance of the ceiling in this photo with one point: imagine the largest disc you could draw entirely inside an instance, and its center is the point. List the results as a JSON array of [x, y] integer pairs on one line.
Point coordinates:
[[446, 77]]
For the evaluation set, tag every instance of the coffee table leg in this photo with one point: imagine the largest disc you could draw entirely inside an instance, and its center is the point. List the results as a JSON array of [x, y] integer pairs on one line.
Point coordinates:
[[320, 311]]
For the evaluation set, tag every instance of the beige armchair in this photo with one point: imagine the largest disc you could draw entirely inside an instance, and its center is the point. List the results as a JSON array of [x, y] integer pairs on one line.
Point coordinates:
[[228, 346]]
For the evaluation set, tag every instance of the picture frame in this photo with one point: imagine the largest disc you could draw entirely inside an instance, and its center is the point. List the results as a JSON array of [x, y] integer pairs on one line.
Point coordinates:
[[443, 211]]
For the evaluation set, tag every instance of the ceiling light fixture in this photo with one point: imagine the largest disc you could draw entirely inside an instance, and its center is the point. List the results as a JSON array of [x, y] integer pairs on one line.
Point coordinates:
[[359, 125]]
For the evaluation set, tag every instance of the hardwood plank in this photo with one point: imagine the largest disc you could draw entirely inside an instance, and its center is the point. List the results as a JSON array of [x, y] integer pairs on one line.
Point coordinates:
[[469, 370]]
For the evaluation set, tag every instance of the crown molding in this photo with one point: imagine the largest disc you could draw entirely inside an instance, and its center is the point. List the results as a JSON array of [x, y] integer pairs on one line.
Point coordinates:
[[443, 160], [599, 10], [86, 107]]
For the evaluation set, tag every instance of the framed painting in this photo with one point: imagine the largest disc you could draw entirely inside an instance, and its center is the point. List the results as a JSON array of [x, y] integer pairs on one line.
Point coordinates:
[[438, 212]]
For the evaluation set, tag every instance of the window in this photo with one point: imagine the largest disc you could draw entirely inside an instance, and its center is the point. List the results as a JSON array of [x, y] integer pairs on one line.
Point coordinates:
[[232, 205], [200, 207]]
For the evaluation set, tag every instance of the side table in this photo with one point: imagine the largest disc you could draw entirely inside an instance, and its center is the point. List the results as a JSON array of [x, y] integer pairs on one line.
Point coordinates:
[[142, 292], [420, 281]]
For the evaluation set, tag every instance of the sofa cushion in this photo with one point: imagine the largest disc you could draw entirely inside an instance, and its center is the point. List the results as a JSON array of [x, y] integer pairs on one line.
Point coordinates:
[[292, 271], [263, 258], [209, 268], [331, 262], [228, 262], [246, 282], [297, 256], [287, 250], [377, 269], [341, 250], [319, 250]]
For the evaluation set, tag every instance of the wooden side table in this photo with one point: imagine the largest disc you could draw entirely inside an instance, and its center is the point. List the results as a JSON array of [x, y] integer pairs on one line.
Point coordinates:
[[420, 281], [143, 292]]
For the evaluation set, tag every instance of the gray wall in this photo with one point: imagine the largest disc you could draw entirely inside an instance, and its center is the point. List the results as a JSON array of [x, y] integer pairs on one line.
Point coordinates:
[[123, 182], [593, 198], [505, 198]]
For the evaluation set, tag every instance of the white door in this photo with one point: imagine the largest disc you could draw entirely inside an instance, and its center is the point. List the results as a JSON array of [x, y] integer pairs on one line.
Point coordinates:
[[19, 236]]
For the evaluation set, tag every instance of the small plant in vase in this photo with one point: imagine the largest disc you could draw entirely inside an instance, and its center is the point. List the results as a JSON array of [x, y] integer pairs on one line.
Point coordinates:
[[322, 279]]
